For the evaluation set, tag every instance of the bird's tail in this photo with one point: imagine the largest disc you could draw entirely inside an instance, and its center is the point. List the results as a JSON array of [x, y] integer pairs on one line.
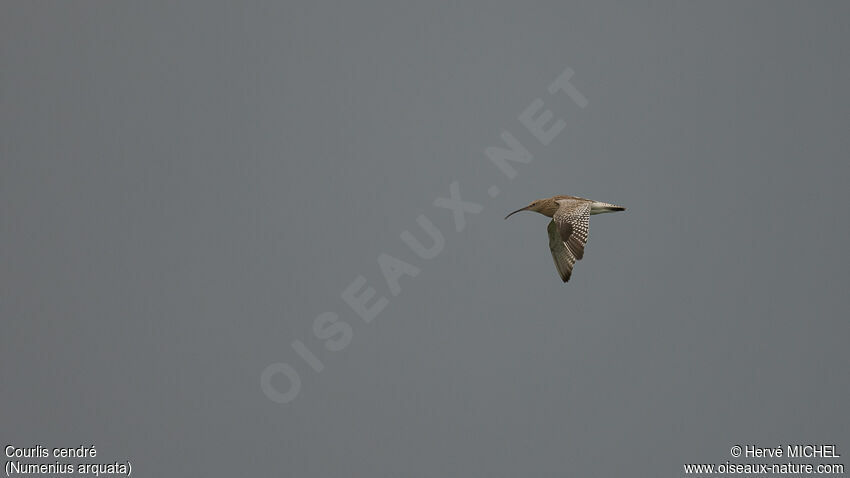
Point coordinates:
[[603, 207]]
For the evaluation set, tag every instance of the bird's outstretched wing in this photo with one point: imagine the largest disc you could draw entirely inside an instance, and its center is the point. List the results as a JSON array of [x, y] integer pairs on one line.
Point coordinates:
[[564, 260], [568, 235]]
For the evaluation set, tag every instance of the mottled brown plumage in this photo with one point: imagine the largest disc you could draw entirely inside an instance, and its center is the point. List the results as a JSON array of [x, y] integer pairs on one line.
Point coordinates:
[[569, 227]]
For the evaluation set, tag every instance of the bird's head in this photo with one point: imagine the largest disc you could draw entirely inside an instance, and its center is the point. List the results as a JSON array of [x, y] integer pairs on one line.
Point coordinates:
[[536, 206]]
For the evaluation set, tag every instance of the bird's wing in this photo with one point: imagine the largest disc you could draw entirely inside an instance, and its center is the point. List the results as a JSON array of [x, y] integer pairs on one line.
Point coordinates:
[[568, 235], [573, 219], [562, 256]]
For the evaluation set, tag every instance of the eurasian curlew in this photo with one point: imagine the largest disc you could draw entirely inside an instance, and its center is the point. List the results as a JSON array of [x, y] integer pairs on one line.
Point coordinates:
[[568, 227]]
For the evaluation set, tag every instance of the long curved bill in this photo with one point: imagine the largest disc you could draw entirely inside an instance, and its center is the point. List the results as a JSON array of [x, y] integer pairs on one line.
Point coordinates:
[[518, 210]]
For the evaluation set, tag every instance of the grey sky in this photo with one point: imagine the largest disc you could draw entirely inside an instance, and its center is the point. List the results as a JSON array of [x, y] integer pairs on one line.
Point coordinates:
[[185, 188]]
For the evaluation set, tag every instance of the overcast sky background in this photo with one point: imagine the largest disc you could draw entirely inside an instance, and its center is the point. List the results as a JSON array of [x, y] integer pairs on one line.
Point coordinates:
[[185, 187]]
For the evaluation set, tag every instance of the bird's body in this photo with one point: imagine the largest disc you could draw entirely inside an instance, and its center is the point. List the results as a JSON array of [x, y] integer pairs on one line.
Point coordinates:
[[569, 226]]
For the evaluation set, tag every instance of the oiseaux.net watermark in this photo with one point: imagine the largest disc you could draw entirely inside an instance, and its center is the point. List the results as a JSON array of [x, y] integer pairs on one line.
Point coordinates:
[[281, 381]]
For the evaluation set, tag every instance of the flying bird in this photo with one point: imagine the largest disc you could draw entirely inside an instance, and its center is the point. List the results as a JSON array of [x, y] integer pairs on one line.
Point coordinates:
[[568, 227]]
